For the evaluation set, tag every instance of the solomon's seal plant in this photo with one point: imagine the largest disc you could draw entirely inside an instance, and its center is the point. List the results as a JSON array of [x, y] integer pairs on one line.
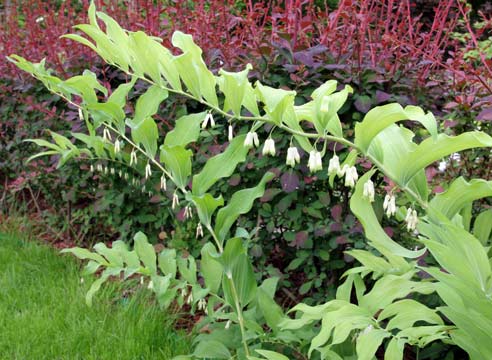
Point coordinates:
[[381, 302]]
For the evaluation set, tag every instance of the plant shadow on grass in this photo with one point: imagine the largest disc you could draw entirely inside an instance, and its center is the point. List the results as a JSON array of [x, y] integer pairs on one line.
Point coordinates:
[[43, 314]]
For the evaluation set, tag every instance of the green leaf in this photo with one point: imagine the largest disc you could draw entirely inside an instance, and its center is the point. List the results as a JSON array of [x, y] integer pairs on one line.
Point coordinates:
[[325, 108], [211, 349], [371, 261], [206, 205], [146, 133], [405, 313], [167, 262], [239, 275], [187, 269], [369, 341], [84, 254], [96, 285], [192, 69], [120, 94], [234, 85], [459, 194], [277, 101], [145, 252], [145, 55], [108, 112], [211, 268], [186, 130], [178, 161], [241, 202], [431, 150], [483, 226], [395, 348], [379, 118], [389, 150], [271, 355], [446, 240], [364, 211], [392, 287], [220, 166], [272, 312], [148, 103], [113, 256]]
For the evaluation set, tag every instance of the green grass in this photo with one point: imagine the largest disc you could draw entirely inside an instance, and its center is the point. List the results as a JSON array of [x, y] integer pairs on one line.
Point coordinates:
[[43, 314]]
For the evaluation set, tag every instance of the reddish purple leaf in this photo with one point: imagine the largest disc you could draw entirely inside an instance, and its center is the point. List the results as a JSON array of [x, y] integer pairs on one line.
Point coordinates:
[[336, 212], [485, 115], [289, 181]]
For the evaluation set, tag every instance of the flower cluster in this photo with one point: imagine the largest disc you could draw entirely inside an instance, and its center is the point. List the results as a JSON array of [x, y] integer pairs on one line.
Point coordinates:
[[389, 205], [411, 219], [315, 163]]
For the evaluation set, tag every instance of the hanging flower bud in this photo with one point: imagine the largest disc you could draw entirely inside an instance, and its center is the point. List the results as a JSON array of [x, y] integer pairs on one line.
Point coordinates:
[[120, 173], [163, 183], [106, 170], [227, 325], [189, 300], [175, 201], [231, 133], [411, 219], [81, 115], [199, 231], [251, 140], [334, 165], [107, 135], [315, 162], [184, 292], [351, 176], [92, 168], [151, 285], [133, 158], [117, 146], [269, 147], [208, 118], [343, 170], [369, 192], [389, 205], [99, 167], [112, 171], [126, 176], [292, 156], [202, 304], [148, 171], [188, 213]]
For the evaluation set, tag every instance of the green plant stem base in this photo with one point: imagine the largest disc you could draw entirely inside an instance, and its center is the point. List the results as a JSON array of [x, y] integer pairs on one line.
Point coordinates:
[[43, 314]]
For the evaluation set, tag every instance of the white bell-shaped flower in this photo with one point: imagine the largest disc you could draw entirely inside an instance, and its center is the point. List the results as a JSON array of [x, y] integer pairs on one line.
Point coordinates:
[[251, 140], [269, 147], [369, 191], [293, 156], [351, 176], [334, 165], [315, 163]]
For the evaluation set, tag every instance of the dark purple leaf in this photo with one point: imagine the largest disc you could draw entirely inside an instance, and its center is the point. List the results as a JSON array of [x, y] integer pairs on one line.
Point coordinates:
[[485, 115], [289, 181], [336, 227], [300, 239], [234, 180], [382, 96], [340, 240], [363, 104], [336, 212], [269, 194]]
